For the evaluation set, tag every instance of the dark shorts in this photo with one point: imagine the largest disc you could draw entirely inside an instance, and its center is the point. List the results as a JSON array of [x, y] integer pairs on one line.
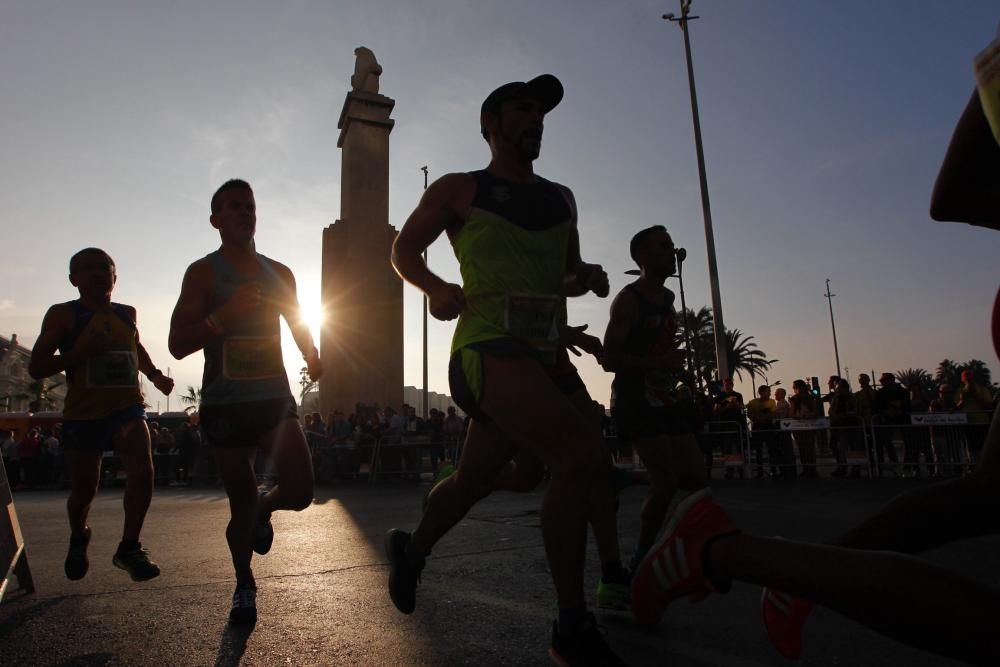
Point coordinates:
[[636, 419], [242, 424], [467, 379], [97, 435]]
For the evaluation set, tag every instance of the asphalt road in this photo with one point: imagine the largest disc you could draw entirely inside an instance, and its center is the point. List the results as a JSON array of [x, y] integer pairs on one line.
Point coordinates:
[[485, 599]]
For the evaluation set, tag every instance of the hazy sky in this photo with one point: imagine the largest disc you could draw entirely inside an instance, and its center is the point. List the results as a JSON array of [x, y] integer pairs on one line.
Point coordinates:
[[824, 126]]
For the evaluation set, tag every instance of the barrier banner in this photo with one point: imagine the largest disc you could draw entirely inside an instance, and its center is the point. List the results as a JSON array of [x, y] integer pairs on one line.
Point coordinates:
[[13, 559], [936, 418], [819, 424]]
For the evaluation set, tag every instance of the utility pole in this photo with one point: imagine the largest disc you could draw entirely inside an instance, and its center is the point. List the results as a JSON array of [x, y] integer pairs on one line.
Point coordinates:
[[829, 299], [721, 360], [424, 406]]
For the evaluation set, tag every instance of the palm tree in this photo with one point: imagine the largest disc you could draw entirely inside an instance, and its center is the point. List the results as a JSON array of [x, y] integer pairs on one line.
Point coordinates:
[[742, 353], [192, 397], [917, 376], [979, 370], [948, 372]]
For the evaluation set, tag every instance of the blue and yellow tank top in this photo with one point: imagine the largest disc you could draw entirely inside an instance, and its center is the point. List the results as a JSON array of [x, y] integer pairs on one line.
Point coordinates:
[[512, 251], [245, 364], [107, 382]]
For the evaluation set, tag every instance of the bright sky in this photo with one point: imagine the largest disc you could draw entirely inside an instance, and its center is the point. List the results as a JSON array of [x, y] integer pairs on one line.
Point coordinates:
[[824, 126]]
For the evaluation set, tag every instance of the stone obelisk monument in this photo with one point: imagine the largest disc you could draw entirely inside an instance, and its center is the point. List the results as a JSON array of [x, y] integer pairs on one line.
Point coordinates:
[[361, 343]]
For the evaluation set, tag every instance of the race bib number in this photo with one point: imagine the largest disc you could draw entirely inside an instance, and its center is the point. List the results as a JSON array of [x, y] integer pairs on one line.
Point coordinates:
[[532, 318], [114, 369], [252, 358]]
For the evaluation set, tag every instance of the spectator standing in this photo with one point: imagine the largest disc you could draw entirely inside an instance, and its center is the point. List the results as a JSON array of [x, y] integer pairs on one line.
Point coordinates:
[[804, 406], [864, 406], [52, 451], [892, 406], [29, 451], [842, 422], [762, 412], [11, 458], [919, 442], [729, 415], [976, 402], [785, 454], [945, 439], [454, 432]]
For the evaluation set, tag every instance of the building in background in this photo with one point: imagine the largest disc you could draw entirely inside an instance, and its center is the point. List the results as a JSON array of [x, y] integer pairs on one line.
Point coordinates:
[[19, 392]]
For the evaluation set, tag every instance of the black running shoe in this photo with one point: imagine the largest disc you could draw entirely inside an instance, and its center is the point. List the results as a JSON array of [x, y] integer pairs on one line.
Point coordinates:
[[77, 563], [135, 561], [263, 534], [403, 574], [585, 646], [244, 611]]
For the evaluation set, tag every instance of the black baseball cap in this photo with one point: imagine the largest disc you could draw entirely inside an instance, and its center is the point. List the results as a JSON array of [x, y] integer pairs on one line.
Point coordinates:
[[545, 87]]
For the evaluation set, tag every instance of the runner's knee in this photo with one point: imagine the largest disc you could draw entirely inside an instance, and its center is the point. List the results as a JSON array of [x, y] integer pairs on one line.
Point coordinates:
[[472, 487]]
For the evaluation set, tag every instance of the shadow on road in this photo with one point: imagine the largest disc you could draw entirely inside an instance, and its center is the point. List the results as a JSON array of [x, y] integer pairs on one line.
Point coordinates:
[[232, 645]]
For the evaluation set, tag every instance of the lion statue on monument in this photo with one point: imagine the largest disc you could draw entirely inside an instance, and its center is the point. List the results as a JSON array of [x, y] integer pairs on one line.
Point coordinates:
[[366, 71]]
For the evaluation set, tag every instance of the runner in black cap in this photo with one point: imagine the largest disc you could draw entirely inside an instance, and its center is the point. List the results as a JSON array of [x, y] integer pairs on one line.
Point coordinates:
[[514, 234]]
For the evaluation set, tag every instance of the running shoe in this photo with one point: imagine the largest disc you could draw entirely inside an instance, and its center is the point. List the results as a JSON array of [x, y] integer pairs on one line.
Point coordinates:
[[263, 534], [674, 568], [783, 616], [586, 646], [135, 560], [404, 570], [244, 611], [77, 563]]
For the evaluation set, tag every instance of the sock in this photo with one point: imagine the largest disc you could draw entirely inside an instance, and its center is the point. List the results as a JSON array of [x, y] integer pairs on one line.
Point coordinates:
[[612, 572], [570, 618]]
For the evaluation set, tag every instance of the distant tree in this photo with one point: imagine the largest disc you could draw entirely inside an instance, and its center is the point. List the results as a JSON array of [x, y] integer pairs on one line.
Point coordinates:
[[192, 397], [916, 376], [979, 370], [742, 353], [948, 372]]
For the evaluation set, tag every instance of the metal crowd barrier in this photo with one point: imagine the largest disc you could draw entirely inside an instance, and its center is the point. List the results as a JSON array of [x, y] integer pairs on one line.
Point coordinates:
[[843, 442], [405, 444], [725, 445], [948, 442]]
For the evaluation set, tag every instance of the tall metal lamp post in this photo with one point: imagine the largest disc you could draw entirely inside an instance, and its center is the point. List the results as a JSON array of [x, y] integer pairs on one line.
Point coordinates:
[[833, 326], [721, 360], [681, 254], [424, 402]]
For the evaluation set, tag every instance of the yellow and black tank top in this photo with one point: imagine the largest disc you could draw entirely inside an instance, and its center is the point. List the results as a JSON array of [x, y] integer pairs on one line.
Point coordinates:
[[108, 382], [511, 250]]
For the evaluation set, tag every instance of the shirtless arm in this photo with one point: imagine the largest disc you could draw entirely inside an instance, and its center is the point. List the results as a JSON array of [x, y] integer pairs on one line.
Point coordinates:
[[146, 365], [190, 330], [581, 277], [624, 312], [44, 360], [441, 205]]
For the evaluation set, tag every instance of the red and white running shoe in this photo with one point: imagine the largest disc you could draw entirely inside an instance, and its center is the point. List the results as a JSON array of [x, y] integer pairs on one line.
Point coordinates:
[[783, 616], [674, 567]]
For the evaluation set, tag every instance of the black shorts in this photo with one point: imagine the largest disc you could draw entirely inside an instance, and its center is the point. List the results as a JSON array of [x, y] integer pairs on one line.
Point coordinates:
[[97, 435], [242, 424], [635, 418]]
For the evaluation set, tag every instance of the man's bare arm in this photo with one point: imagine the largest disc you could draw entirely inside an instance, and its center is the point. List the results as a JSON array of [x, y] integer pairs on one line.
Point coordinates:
[[44, 360], [438, 208], [190, 329]]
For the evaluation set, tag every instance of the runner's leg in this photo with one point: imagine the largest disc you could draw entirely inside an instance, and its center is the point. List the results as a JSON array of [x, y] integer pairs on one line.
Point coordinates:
[[287, 448], [674, 462], [486, 453], [84, 474], [132, 444], [235, 467], [551, 428], [874, 588]]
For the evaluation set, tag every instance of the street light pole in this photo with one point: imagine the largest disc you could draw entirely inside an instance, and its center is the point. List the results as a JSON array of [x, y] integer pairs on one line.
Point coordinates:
[[829, 299], [721, 361], [681, 254], [424, 403]]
